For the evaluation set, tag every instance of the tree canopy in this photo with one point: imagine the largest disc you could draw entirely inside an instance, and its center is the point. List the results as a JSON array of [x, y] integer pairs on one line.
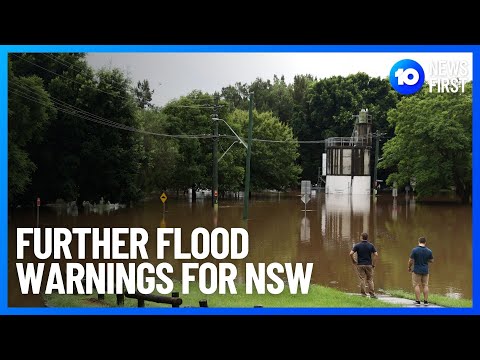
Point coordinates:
[[328, 107], [432, 142], [29, 113], [78, 156], [273, 163], [81, 134]]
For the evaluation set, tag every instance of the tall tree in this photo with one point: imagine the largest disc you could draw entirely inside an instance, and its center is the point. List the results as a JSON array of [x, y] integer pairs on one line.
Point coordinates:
[[56, 157], [273, 96], [301, 86], [235, 96], [143, 94], [110, 153], [281, 100], [190, 116], [160, 156], [59, 155], [433, 142], [273, 163], [49, 66], [328, 111], [29, 112]]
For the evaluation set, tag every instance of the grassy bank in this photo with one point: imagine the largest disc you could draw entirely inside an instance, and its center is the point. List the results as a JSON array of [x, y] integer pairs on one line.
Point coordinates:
[[433, 298], [318, 296]]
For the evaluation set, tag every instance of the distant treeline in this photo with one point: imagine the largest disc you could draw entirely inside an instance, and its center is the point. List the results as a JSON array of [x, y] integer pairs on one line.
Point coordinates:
[[80, 134]]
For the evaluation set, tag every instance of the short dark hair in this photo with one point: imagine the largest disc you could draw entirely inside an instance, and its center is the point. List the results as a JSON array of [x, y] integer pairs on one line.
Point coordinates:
[[422, 240], [364, 236]]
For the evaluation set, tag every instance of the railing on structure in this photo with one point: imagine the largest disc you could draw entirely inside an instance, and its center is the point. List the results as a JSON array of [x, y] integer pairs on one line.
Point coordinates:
[[347, 142]]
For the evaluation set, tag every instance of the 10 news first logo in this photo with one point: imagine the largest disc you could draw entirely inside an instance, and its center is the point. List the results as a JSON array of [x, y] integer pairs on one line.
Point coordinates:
[[407, 76]]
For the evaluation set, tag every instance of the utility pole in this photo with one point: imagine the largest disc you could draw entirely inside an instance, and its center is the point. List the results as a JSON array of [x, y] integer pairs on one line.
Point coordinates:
[[249, 155], [377, 143], [215, 153]]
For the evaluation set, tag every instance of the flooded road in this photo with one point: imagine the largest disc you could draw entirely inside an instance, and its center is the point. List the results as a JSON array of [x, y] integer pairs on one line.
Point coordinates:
[[280, 231]]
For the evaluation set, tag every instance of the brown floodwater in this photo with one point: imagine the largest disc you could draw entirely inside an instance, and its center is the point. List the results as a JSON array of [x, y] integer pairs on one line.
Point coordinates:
[[281, 231]]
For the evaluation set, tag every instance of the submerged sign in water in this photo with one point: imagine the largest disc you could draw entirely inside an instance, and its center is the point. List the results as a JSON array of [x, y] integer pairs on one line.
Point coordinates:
[[306, 191]]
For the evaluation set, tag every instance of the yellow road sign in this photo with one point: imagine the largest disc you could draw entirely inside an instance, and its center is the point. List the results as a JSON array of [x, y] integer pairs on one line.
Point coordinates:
[[163, 197]]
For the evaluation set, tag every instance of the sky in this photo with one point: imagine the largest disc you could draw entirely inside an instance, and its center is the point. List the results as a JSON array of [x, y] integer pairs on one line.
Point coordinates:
[[172, 75]]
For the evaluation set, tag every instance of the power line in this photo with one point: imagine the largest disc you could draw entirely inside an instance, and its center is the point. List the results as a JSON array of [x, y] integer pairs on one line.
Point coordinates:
[[72, 110], [194, 99], [64, 104], [71, 65], [65, 110], [191, 106], [200, 106], [82, 71], [75, 111], [69, 79], [286, 141], [119, 126], [69, 111], [64, 62]]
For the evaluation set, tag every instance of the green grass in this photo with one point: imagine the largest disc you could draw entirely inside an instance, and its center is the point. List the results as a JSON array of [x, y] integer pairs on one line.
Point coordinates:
[[433, 298], [318, 296]]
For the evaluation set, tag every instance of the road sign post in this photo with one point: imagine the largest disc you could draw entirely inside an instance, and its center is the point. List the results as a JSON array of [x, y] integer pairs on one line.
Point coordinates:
[[164, 198], [306, 192], [215, 199]]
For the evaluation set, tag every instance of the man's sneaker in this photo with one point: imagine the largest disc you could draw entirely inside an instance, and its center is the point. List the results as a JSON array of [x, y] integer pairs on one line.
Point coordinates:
[[373, 297], [425, 302], [363, 295], [417, 303]]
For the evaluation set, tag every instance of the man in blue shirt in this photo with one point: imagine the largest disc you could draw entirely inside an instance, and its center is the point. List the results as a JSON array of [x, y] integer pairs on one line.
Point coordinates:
[[365, 264], [419, 258]]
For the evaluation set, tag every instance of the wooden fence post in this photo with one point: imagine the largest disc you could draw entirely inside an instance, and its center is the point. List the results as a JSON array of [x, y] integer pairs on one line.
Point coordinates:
[[120, 299], [175, 294]]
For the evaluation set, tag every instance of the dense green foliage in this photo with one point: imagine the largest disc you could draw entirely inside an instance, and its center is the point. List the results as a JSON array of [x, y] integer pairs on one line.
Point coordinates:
[[80, 134], [28, 117], [271, 164], [76, 158], [318, 109], [432, 143]]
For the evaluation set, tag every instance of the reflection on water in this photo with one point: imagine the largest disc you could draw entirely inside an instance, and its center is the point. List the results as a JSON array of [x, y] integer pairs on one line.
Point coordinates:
[[305, 229], [281, 231], [346, 217]]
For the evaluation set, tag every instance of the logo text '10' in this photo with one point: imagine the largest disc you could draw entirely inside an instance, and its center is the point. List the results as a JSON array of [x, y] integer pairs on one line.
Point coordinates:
[[407, 76]]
